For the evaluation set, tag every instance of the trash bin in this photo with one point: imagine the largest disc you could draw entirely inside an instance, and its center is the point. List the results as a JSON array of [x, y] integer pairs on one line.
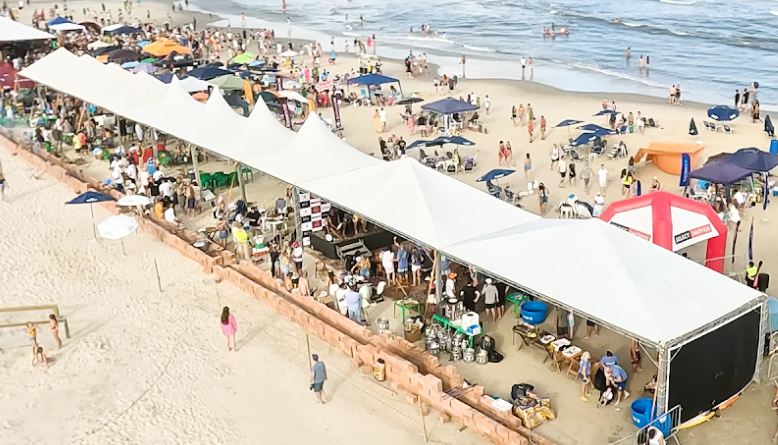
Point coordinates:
[[641, 412], [534, 312]]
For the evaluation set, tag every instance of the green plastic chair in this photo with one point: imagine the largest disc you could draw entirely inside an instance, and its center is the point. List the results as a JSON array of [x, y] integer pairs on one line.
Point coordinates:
[[247, 173]]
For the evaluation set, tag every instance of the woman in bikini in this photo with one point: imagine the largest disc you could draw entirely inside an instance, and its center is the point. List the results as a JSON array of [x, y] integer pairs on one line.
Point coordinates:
[[54, 327], [502, 153], [508, 154], [514, 116], [32, 333], [521, 114], [528, 167], [542, 199]]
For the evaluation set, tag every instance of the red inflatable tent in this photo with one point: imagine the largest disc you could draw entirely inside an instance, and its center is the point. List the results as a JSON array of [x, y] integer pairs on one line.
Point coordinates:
[[672, 222]]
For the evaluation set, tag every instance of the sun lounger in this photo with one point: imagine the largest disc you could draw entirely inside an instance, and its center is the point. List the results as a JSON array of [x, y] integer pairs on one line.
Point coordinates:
[[710, 126], [727, 129]]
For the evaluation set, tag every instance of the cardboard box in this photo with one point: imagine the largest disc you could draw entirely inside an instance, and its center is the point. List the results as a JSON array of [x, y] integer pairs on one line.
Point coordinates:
[[413, 336]]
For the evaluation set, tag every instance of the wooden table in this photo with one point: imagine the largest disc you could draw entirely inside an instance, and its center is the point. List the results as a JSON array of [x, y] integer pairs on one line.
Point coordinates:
[[531, 337], [561, 360]]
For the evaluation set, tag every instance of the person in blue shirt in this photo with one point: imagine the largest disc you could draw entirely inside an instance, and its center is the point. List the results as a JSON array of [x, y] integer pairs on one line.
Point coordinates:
[[609, 359], [619, 377]]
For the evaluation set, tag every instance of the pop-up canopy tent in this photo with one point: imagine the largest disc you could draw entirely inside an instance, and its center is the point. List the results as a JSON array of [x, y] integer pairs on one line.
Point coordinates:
[[449, 105], [667, 156], [721, 173], [13, 31], [705, 326], [672, 222], [750, 158]]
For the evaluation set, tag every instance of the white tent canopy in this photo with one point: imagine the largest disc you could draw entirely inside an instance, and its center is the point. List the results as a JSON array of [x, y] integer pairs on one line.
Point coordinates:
[[62, 27], [192, 84], [13, 31], [418, 202], [609, 275]]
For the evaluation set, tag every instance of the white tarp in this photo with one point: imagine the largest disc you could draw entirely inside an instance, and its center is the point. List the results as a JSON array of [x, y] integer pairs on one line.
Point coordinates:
[[313, 153], [62, 27], [13, 31], [418, 202], [610, 275], [192, 84]]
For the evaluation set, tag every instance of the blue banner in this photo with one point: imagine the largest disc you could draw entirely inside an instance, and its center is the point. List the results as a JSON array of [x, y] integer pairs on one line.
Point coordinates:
[[686, 169]]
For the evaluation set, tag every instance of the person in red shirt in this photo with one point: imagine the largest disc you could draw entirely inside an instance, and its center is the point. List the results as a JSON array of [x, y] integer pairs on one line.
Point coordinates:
[[530, 129], [543, 128]]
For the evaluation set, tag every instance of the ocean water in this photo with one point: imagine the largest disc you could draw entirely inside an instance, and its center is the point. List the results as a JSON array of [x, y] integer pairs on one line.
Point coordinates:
[[709, 47]]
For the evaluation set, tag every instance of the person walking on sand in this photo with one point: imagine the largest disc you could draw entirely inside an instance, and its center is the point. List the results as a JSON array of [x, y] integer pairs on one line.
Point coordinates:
[[554, 156], [464, 59], [528, 167], [602, 178], [502, 154], [584, 372], [542, 199], [508, 154], [514, 113], [487, 104], [542, 128], [318, 377], [3, 185], [530, 129], [229, 328], [521, 114], [54, 328], [530, 113], [562, 173]]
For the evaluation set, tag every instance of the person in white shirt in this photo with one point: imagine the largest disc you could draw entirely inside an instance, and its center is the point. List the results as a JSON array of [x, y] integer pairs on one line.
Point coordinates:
[[382, 117], [166, 189], [387, 261], [740, 198], [491, 298], [157, 175], [487, 104], [170, 215], [132, 172], [734, 215], [599, 204], [562, 172], [602, 178], [523, 62], [116, 170], [450, 285]]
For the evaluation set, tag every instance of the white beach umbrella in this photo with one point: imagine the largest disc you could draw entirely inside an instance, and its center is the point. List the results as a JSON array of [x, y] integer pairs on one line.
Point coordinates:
[[293, 95], [117, 227], [98, 44], [133, 200]]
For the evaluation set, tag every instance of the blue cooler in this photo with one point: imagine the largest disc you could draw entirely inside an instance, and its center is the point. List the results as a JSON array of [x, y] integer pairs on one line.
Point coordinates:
[[534, 312], [774, 147], [641, 411]]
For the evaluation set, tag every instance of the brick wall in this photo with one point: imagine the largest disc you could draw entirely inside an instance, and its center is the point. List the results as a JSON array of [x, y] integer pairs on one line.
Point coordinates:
[[407, 367]]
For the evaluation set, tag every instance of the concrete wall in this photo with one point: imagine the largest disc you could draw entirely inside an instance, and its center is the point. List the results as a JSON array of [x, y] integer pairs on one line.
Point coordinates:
[[407, 367]]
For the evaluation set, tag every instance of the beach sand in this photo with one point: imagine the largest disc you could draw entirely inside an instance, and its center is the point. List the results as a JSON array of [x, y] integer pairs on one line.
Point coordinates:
[[123, 328]]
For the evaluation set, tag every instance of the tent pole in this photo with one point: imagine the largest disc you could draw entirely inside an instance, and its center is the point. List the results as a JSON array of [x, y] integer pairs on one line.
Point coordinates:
[[401, 89], [763, 323], [438, 271], [239, 168], [662, 379], [195, 154]]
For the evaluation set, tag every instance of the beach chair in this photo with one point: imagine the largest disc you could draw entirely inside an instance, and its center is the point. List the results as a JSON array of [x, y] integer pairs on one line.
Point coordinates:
[[622, 129], [727, 129], [708, 126], [510, 196], [469, 165]]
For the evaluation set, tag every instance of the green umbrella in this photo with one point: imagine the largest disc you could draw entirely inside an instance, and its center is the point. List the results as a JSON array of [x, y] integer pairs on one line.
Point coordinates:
[[244, 58], [149, 60], [228, 82], [268, 97]]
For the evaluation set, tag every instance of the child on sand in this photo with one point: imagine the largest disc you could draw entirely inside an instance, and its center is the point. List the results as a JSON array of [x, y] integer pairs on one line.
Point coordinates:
[[54, 328], [39, 358], [229, 328], [32, 333]]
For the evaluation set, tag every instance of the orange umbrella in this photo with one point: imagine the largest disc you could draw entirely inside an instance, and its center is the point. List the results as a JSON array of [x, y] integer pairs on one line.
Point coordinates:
[[164, 47], [202, 97]]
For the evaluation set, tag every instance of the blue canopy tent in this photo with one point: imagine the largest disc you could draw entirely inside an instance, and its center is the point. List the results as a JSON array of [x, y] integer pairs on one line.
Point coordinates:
[[722, 173], [123, 30], [752, 159], [723, 113], [165, 77], [58, 21], [208, 72], [449, 105], [371, 80], [772, 306]]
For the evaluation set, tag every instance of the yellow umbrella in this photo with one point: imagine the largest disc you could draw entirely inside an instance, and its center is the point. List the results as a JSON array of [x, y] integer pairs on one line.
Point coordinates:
[[164, 47]]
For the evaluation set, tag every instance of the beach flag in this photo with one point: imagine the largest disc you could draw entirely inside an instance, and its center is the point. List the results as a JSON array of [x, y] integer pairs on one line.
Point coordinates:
[[336, 111], [766, 192], [734, 243], [751, 241], [686, 169], [284, 103]]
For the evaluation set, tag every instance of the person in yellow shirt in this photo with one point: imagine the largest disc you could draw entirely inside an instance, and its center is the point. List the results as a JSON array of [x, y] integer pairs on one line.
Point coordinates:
[[159, 209], [241, 238], [751, 272], [626, 182]]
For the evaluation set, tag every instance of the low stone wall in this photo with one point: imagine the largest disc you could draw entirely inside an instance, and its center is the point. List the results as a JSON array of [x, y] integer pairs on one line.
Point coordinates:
[[407, 367]]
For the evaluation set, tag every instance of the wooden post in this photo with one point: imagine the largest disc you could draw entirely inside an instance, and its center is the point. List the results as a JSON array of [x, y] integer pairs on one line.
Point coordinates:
[[195, 154], [156, 269], [121, 241], [308, 344], [423, 422]]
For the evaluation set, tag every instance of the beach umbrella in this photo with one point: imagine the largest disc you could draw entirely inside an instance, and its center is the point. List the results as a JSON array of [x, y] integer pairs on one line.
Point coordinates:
[[410, 100], [121, 54], [456, 140], [567, 123], [268, 97], [142, 43], [98, 44], [723, 113], [208, 72], [293, 95], [289, 54], [420, 143], [133, 200], [130, 65], [693, 128], [592, 128], [165, 77], [584, 139], [752, 159], [117, 227], [495, 174], [147, 68], [256, 63], [768, 126], [149, 60], [90, 197], [267, 69], [606, 112], [243, 59], [227, 83]]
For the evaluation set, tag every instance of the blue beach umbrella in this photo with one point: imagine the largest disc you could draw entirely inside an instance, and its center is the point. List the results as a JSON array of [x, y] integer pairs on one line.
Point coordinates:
[[592, 128], [143, 43], [584, 139], [495, 174], [456, 140], [567, 123], [723, 113], [606, 112], [256, 63], [129, 65], [90, 197]]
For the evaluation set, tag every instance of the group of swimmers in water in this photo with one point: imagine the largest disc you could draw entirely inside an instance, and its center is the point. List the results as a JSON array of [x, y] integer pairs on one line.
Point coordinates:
[[552, 32]]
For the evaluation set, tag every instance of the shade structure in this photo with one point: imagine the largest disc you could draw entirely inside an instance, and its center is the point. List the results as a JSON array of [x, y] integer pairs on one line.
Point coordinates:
[[208, 72], [592, 128], [667, 155], [497, 173], [439, 204], [193, 84], [410, 100], [567, 123], [654, 295], [606, 112], [721, 173], [439, 141], [120, 55], [693, 128], [228, 82], [672, 222], [63, 27], [163, 47], [583, 139], [133, 200], [13, 31], [244, 58], [117, 227], [752, 159], [98, 44], [144, 68], [58, 21], [124, 29], [449, 105], [90, 197], [371, 80], [723, 113], [293, 95]]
